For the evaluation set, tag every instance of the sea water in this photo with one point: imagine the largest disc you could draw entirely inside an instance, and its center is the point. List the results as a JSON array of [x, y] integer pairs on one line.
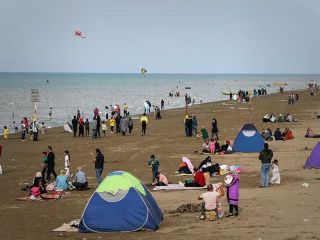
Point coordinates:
[[67, 92]]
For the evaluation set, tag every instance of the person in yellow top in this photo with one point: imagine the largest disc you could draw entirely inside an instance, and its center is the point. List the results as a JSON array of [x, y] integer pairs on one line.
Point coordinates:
[[5, 133], [144, 122], [112, 123], [125, 109]]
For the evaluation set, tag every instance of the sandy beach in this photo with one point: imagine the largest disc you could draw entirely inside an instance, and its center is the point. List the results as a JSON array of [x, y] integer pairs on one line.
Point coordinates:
[[287, 211]]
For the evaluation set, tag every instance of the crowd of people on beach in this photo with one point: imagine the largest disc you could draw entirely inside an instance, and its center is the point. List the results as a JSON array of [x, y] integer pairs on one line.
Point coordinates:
[[280, 118], [122, 123], [285, 135]]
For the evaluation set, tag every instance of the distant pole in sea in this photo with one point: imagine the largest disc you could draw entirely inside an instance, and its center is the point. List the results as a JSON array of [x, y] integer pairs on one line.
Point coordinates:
[[82, 107]]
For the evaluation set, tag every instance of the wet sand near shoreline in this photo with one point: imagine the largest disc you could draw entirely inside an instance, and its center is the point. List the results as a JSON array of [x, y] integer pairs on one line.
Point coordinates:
[[287, 211]]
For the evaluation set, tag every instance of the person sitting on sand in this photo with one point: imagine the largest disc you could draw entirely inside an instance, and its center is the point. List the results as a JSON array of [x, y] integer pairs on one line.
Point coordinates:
[[160, 180], [273, 118], [287, 134], [209, 205], [35, 193], [280, 118], [80, 181], [207, 166], [311, 134], [61, 183], [267, 135], [198, 180], [288, 117], [226, 148], [39, 182], [275, 179], [277, 135], [186, 166], [266, 118], [206, 146]]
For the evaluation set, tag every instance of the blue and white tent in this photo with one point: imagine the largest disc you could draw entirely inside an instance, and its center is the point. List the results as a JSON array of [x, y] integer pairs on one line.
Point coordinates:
[[248, 139], [121, 203]]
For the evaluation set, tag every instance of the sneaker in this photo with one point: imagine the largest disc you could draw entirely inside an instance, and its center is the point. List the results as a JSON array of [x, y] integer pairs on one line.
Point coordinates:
[[230, 215], [201, 217], [236, 214]]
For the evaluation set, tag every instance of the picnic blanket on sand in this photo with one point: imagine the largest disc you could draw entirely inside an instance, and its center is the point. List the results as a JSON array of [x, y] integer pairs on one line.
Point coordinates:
[[51, 195], [179, 187], [68, 227]]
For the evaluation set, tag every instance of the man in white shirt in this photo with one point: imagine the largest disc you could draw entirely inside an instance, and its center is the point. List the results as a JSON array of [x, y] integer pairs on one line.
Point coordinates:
[[210, 199]]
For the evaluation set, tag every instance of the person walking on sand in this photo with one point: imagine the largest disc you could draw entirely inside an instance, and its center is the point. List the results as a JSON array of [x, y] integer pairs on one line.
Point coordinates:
[[144, 122], [112, 123], [51, 163], [5, 133], [98, 164], [265, 157], [130, 125], [124, 125]]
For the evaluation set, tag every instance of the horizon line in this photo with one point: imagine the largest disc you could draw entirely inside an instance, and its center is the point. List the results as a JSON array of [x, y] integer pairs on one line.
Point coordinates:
[[217, 73]]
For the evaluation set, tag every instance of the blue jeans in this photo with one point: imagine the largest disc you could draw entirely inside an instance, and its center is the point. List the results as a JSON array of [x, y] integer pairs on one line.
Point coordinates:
[[94, 133], [154, 173], [265, 171], [98, 174]]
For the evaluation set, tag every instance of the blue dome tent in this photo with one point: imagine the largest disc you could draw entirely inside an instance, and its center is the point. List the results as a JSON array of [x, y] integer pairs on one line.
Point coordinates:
[[121, 203], [248, 140]]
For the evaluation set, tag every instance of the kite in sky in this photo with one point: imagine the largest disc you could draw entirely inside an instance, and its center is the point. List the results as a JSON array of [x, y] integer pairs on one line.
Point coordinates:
[[78, 33], [143, 72]]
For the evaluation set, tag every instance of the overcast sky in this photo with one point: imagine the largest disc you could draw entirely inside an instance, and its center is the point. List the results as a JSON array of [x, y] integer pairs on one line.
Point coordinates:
[[166, 36]]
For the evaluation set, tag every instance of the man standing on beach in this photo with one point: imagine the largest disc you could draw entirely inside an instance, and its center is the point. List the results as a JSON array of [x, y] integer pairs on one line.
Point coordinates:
[[50, 163], [265, 156], [98, 164], [75, 125]]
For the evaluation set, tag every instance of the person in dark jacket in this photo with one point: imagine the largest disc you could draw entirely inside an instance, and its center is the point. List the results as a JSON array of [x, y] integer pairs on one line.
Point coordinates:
[[265, 157], [50, 163], [74, 126], [214, 129], [277, 135], [98, 164], [98, 125]]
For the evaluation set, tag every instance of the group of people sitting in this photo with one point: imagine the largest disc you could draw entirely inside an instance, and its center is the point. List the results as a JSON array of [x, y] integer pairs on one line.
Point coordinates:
[[39, 188], [202, 173], [273, 118], [212, 146], [267, 135]]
